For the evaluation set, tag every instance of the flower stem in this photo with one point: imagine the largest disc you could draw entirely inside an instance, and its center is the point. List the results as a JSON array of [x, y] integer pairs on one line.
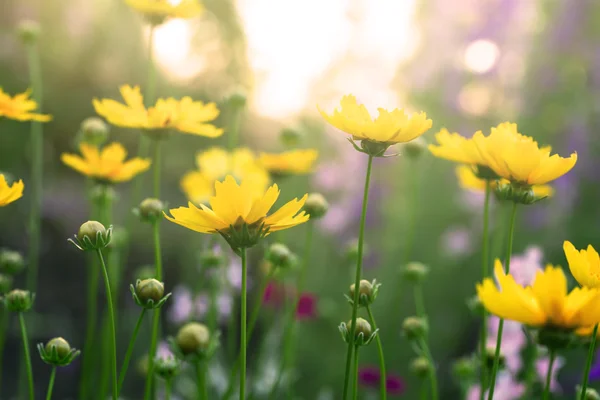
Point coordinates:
[[3, 327], [168, 389], [51, 383], [588, 364], [549, 375], [411, 205], [419, 302], [127, 358], [355, 374], [243, 342], [361, 235], [382, 380], [423, 394], [484, 274], [156, 169], [234, 130], [432, 373], [511, 233], [201, 381], [112, 324], [156, 316], [27, 356]]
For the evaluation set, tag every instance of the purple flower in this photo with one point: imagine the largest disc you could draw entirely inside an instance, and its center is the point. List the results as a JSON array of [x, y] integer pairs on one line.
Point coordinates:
[[307, 307], [370, 377], [182, 305], [595, 371]]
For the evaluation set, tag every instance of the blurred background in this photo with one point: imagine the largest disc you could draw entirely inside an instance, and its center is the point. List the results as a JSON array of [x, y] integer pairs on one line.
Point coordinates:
[[470, 64]]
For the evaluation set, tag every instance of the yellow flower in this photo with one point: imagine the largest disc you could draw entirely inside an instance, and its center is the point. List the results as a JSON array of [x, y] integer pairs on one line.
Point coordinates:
[[214, 164], [545, 303], [108, 165], [584, 264], [455, 147], [19, 107], [519, 159], [239, 215], [389, 127], [161, 9], [290, 162], [184, 115], [8, 194], [468, 180]]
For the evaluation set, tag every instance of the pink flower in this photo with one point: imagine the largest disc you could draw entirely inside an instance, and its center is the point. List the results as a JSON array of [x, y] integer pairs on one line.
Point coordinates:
[[274, 294], [524, 267], [541, 367], [183, 305], [307, 307], [506, 389]]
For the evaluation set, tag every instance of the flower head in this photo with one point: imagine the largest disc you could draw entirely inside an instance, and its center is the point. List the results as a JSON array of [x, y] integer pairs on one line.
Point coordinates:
[[8, 194], [158, 10], [546, 302], [239, 215], [215, 164], [584, 264], [107, 165], [290, 162], [20, 107], [185, 115]]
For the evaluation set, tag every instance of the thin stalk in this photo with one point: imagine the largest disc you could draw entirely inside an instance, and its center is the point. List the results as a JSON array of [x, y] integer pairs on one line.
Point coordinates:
[[355, 375], [130, 347], [511, 232], [419, 302], [484, 274], [51, 383], [588, 364], [156, 168], [412, 204], [549, 375], [156, 316], [3, 327], [361, 237], [168, 389], [243, 342], [382, 380], [27, 356], [432, 374], [112, 324], [531, 372], [424, 387], [201, 381], [234, 130]]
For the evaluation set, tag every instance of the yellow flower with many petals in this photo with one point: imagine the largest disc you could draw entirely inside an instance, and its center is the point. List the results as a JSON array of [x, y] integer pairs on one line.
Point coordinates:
[[389, 128], [108, 165], [158, 10], [519, 159], [584, 264], [455, 147], [239, 214], [290, 162], [545, 303], [8, 194], [216, 163], [469, 180], [184, 115], [20, 107]]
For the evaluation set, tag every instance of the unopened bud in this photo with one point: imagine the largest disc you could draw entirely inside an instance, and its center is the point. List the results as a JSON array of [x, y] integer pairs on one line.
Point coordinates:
[[415, 147], [316, 206], [280, 256], [19, 300], [11, 262], [166, 367], [149, 289], [57, 352], [290, 137], [28, 31], [92, 235], [590, 393], [211, 259], [150, 210], [94, 131], [367, 292], [193, 338], [237, 99], [490, 356], [421, 367], [362, 327], [6, 282], [464, 369], [415, 272], [414, 328]]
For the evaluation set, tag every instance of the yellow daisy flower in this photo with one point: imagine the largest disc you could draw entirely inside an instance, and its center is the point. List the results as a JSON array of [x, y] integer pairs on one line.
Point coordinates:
[[457, 148], [519, 159], [584, 264], [8, 194], [239, 215], [545, 303], [158, 10], [108, 165], [290, 162], [469, 181], [216, 163], [389, 128], [184, 115], [20, 107]]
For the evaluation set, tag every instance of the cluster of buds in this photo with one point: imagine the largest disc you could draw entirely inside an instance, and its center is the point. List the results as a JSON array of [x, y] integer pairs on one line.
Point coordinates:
[[149, 293], [194, 341], [92, 235], [363, 333], [150, 210], [57, 352], [18, 300], [367, 293]]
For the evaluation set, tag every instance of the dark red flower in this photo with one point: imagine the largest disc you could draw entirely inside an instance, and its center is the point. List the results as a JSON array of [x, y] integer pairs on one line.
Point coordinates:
[[307, 307], [370, 376]]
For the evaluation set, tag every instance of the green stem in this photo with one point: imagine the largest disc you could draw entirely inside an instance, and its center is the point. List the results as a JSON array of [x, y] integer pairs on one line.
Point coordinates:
[[531, 372], [423, 394], [112, 324], [361, 236], [51, 383], [511, 232], [3, 327], [168, 389], [27, 356], [201, 381], [243, 342], [130, 347], [419, 302], [432, 373], [588, 364], [156, 168], [355, 375], [382, 380], [156, 316], [549, 375], [484, 274], [411, 206], [234, 130]]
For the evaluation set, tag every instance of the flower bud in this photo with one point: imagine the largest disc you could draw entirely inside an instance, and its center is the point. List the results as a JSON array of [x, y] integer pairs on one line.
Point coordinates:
[[590, 393], [367, 293], [414, 328], [11, 262], [464, 369], [363, 333], [290, 137], [362, 327], [490, 356], [149, 289], [150, 210], [94, 131], [28, 31], [316, 206], [57, 352], [352, 250], [414, 148], [421, 367], [19, 300], [280, 256], [61, 345], [6, 283], [237, 99], [212, 259], [92, 235], [415, 272], [166, 367], [193, 338]]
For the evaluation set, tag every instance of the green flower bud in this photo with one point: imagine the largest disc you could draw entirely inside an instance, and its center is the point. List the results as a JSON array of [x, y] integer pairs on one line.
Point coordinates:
[[363, 333], [193, 338], [421, 367], [237, 99], [150, 210], [490, 355], [11, 262], [316, 206], [364, 288], [166, 367], [290, 137], [375, 149], [6, 283], [57, 352], [94, 131], [464, 369], [28, 31], [590, 393], [212, 259], [92, 235], [352, 250], [362, 327], [367, 293], [415, 272], [61, 345], [415, 328], [19, 300], [149, 289], [280, 256], [415, 147]]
